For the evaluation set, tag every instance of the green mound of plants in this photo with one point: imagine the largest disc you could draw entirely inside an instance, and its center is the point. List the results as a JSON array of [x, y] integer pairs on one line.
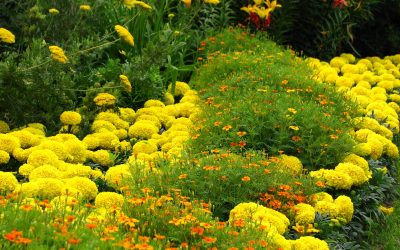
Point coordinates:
[[261, 97]]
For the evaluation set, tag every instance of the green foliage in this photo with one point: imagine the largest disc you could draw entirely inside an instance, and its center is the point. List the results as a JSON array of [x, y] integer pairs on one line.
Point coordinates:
[[22, 95], [166, 41]]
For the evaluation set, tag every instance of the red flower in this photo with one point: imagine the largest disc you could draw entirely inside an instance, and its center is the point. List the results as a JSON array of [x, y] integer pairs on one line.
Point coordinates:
[[339, 3]]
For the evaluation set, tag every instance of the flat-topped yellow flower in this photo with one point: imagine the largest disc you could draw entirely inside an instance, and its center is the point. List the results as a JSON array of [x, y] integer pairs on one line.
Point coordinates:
[[126, 83], [215, 2], [57, 54], [54, 11], [6, 36], [133, 3], [85, 7], [104, 99], [124, 34]]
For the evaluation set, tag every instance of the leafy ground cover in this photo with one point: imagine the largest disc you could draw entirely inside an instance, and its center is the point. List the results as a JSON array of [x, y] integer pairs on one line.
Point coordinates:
[[261, 150]]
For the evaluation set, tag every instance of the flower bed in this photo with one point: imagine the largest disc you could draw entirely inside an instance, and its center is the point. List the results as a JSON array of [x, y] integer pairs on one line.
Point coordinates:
[[252, 154]]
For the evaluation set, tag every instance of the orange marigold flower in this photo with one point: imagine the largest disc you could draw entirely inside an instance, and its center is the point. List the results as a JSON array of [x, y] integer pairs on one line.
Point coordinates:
[[182, 176], [241, 133], [242, 144], [246, 178], [218, 123], [91, 225], [296, 138], [227, 127], [209, 240]]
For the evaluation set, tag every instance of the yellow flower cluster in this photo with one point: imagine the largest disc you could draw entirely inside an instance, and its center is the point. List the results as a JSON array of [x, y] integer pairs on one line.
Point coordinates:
[[4, 157], [8, 182], [126, 83], [54, 11], [215, 2], [108, 200], [104, 99], [262, 8], [290, 164], [133, 3], [124, 34], [6, 36], [70, 118], [85, 7], [257, 215], [57, 54]]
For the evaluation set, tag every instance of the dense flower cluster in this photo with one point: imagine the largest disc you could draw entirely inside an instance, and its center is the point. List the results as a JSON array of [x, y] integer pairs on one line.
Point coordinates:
[[124, 34], [57, 54], [6, 36]]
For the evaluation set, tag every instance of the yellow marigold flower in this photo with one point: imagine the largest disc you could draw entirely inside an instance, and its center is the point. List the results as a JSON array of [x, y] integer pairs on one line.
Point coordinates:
[[115, 176], [124, 34], [4, 157], [6, 36], [127, 114], [104, 99], [305, 214], [356, 173], [345, 207], [45, 171], [8, 143], [142, 129], [144, 147], [42, 156], [57, 54], [102, 157], [8, 182], [54, 11], [168, 99], [48, 188], [87, 189], [291, 164], [153, 103], [180, 88], [4, 128], [70, 118], [215, 2], [85, 7], [125, 83], [77, 150], [108, 200], [327, 208], [309, 242]]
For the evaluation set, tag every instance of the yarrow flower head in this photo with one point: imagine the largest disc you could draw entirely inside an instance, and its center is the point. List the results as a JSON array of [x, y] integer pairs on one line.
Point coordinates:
[[85, 7], [54, 11], [125, 35], [57, 54], [215, 2], [104, 99], [6, 36], [126, 83], [133, 3]]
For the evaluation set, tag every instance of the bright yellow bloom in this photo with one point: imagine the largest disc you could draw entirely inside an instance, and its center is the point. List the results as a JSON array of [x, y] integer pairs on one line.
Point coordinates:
[[124, 34], [6, 36], [104, 99], [126, 83], [215, 2], [54, 11], [85, 7], [57, 54], [187, 3], [133, 3]]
